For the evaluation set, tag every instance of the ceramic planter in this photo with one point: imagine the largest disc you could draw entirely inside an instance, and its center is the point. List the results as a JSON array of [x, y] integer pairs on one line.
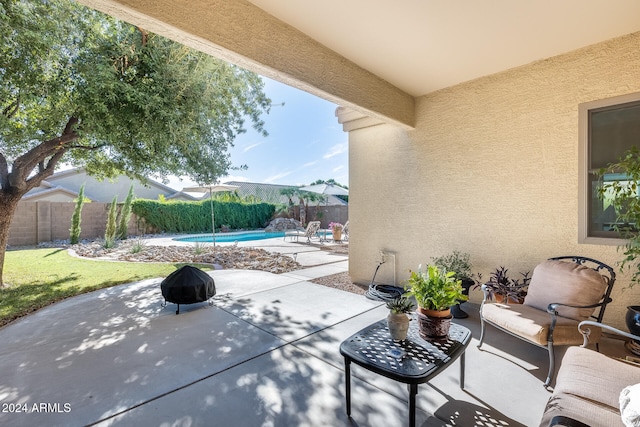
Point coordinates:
[[433, 324], [398, 326]]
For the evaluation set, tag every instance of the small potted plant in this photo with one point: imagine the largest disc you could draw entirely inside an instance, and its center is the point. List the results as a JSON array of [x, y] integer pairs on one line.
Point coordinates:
[[460, 264], [336, 229], [435, 291], [397, 319], [504, 288]]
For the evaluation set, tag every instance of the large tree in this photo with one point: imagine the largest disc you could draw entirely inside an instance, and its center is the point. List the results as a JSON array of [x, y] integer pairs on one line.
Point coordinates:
[[81, 88]]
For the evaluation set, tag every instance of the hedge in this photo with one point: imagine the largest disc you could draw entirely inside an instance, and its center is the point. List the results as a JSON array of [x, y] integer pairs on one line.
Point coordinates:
[[195, 217]]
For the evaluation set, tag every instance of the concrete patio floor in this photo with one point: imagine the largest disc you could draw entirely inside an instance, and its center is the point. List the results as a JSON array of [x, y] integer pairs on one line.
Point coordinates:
[[266, 353]]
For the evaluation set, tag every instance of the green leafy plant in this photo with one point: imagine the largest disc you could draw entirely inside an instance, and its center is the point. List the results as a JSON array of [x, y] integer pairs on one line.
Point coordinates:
[[435, 288], [456, 261], [400, 305], [624, 197], [74, 232], [500, 283]]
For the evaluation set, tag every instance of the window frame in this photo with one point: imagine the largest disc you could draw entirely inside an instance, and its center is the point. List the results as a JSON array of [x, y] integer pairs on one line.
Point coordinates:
[[584, 187]]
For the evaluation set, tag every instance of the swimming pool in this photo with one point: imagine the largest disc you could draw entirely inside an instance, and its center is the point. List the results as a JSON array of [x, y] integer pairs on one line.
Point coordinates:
[[243, 236]]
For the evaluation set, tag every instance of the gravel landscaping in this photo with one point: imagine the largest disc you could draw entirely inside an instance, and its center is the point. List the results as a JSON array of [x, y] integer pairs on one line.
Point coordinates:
[[222, 257]]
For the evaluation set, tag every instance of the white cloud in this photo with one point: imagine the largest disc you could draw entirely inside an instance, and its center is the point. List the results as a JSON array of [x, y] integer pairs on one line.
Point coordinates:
[[336, 150], [337, 168], [251, 147], [272, 179]]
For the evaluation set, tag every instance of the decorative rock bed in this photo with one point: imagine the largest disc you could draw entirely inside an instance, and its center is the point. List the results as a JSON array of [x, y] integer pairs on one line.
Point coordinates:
[[225, 257]]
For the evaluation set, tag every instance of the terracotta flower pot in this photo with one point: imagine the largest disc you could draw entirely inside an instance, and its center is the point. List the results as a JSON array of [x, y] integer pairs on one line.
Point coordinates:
[[434, 313], [398, 326], [500, 299]]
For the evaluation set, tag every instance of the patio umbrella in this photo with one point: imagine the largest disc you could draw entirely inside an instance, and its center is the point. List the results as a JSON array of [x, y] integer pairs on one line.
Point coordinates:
[[329, 189], [211, 188]]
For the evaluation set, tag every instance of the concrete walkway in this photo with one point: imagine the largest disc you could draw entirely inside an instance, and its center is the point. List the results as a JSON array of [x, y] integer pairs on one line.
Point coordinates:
[[266, 353]]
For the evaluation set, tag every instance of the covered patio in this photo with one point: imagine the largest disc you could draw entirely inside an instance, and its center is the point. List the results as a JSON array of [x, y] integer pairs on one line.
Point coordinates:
[[266, 353]]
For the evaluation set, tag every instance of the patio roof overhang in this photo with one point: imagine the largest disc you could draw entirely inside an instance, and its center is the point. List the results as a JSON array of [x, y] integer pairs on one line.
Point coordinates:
[[375, 58]]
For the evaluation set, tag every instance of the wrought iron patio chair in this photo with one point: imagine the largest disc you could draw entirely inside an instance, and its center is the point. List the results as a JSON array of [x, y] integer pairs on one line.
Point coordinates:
[[563, 292]]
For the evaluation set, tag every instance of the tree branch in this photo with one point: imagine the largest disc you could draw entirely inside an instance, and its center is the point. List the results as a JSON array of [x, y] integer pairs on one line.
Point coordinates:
[[11, 109], [145, 36], [25, 164], [46, 171], [86, 147]]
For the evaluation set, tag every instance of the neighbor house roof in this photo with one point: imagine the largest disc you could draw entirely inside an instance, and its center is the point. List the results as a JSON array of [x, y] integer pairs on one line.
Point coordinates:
[[65, 186]]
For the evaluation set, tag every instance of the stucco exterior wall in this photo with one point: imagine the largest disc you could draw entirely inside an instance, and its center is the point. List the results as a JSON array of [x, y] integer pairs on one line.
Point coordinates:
[[490, 169]]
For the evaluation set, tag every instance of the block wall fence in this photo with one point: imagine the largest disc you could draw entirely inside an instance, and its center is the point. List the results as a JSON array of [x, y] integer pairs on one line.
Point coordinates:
[[36, 222]]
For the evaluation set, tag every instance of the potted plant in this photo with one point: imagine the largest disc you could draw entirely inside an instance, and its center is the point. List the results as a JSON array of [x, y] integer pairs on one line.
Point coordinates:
[[336, 229], [435, 291], [397, 319], [621, 193], [506, 289], [460, 264]]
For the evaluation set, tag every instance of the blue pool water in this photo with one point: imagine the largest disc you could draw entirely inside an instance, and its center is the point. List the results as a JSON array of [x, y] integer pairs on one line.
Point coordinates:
[[244, 236]]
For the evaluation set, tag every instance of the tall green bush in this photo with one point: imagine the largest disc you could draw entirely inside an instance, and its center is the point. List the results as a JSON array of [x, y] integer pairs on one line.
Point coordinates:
[[195, 217], [74, 231], [125, 216], [110, 232], [622, 194]]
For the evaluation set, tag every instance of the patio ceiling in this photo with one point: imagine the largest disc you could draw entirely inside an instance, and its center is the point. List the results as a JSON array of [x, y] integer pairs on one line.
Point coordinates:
[[376, 57], [421, 46]]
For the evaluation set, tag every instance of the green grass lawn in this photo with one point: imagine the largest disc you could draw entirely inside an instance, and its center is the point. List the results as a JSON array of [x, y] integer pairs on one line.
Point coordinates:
[[40, 277]]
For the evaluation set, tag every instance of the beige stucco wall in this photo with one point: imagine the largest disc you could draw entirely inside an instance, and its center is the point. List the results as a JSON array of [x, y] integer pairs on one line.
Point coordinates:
[[491, 169]]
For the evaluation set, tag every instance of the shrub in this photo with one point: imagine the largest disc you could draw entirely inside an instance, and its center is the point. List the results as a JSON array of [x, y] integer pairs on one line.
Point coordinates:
[[195, 217], [74, 231], [125, 216], [110, 232]]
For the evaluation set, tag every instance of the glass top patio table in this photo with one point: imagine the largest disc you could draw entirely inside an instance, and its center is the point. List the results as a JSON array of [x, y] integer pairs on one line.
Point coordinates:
[[412, 361]]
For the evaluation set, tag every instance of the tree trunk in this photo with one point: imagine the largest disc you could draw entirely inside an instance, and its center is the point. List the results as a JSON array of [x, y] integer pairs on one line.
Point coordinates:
[[303, 214], [9, 203]]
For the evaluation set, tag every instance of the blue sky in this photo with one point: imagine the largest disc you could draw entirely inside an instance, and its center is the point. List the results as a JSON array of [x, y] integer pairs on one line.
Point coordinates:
[[305, 143]]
